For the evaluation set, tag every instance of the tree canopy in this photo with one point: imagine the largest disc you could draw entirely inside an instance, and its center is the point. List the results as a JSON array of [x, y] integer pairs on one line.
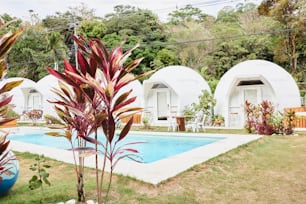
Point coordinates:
[[273, 31]]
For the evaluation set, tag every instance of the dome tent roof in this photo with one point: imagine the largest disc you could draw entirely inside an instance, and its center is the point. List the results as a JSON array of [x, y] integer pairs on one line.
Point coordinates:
[[283, 85], [177, 76], [45, 84], [27, 83]]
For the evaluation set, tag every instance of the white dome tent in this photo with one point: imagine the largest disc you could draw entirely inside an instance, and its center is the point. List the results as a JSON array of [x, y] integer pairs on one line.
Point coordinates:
[[26, 96], [45, 85], [170, 90], [137, 90], [255, 81]]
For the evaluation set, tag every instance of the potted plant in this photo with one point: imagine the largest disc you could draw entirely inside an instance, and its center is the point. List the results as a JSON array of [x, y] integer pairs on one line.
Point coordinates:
[[8, 162]]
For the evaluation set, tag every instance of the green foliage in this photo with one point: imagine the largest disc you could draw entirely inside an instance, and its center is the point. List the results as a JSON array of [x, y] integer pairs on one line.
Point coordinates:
[[165, 57], [185, 14], [31, 54], [40, 176], [12, 114], [92, 29], [206, 103], [137, 26], [291, 14]]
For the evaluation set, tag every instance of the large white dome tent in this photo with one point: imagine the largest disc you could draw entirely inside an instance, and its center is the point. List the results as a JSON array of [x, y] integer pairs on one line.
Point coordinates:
[[255, 81], [171, 89], [26, 96]]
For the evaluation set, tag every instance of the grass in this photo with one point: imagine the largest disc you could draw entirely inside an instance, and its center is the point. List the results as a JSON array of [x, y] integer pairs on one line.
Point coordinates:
[[270, 170]]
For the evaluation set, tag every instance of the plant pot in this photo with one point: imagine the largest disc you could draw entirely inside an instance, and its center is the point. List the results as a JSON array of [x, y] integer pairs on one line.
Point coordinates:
[[10, 176]]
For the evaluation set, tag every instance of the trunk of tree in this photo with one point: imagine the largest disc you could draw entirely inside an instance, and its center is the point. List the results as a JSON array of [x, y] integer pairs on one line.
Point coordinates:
[[292, 51], [80, 187]]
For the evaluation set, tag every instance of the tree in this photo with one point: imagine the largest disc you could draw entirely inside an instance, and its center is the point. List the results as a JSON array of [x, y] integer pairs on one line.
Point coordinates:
[[136, 25], [292, 15], [186, 14], [30, 55], [67, 24], [92, 29], [55, 43], [191, 54]]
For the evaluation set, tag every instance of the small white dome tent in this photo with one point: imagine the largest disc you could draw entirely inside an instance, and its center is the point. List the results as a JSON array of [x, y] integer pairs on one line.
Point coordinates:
[[45, 85], [255, 81], [171, 89], [26, 96]]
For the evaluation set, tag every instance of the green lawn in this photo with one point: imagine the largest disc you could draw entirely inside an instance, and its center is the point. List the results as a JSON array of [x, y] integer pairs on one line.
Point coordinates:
[[270, 170]]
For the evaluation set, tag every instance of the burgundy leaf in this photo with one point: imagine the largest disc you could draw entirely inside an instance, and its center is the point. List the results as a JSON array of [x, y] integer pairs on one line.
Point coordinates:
[[126, 129], [6, 101], [83, 63], [127, 102], [91, 140]]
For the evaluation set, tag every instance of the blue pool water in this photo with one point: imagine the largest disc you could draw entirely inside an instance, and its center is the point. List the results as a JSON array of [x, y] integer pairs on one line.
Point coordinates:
[[154, 147]]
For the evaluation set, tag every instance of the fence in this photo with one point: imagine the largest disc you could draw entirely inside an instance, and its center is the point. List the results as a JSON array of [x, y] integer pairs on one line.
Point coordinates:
[[136, 119], [300, 120]]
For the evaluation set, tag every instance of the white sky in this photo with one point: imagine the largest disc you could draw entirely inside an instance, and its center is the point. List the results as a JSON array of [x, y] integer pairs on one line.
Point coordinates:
[[20, 8]]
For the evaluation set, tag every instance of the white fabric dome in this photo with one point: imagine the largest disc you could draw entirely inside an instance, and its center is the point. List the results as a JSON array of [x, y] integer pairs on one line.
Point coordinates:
[[137, 90], [25, 96], [182, 86], [255, 80]]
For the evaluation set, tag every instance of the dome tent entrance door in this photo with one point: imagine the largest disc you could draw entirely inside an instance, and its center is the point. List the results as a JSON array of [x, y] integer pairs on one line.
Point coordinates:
[[237, 99], [162, 105], [34, 100]]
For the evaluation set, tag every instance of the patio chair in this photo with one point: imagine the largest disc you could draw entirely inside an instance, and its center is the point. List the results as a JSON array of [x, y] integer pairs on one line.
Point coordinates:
[[172, 124], [196, 123]]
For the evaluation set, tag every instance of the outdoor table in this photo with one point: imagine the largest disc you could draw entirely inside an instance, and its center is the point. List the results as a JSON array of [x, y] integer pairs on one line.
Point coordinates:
[[180, 120]]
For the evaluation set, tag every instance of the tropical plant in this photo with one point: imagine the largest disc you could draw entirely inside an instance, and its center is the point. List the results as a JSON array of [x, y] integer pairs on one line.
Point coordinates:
[[6, 42], [262, 119], [217, 120], [89, 99], [40, 176], [289, 118], [206, 104]]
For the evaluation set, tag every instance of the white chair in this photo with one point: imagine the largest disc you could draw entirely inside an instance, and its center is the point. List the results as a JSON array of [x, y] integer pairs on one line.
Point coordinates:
[[172, 124], [195, 123]]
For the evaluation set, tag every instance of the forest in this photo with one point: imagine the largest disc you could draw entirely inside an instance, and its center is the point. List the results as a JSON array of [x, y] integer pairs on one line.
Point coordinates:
[[275, 31]]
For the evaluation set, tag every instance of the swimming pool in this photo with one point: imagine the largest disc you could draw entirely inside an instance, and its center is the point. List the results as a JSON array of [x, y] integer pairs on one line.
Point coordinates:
[[153, 172], [153, 147]]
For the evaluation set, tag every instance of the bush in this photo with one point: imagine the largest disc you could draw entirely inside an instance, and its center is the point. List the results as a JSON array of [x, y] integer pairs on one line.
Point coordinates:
[[261, 119]]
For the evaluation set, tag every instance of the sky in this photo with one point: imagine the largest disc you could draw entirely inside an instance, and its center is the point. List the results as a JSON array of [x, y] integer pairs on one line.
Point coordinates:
[[20, 8]]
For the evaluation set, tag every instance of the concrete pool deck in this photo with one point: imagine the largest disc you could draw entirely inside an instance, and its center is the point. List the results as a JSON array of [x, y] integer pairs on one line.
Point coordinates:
[[154, 172]]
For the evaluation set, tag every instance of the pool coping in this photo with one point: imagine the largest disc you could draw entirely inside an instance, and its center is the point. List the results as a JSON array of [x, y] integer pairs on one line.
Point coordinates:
[[155, 172]]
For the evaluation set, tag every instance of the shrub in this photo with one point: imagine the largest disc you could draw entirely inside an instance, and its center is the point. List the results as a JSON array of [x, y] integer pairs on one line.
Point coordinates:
[[262, 119]]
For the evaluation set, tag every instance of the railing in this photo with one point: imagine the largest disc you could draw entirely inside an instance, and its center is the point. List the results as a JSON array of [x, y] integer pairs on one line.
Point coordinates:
[[300, 120]]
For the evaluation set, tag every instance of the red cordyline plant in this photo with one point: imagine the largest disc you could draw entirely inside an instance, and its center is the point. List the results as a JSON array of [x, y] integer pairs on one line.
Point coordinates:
[[262, 119], [6, 42], [89, 99]]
